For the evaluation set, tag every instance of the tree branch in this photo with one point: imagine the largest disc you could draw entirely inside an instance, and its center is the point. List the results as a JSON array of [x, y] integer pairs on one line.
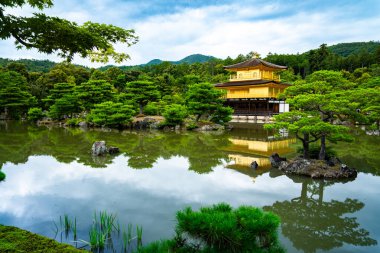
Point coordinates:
[[5, 21]]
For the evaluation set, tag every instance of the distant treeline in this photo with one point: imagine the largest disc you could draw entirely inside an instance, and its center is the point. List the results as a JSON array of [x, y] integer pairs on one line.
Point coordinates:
[[64, 90], [342, 56]]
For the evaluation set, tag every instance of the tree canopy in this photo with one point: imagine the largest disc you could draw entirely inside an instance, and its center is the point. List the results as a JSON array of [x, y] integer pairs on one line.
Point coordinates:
[[56, 35]]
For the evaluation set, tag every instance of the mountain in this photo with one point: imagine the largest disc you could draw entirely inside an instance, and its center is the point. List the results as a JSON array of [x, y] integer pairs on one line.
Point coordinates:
[[194, 58], [346, 49], [154, 62], [31, 65]]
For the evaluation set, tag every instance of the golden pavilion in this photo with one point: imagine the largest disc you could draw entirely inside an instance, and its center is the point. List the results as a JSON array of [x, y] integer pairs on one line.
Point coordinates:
[[254, 87]]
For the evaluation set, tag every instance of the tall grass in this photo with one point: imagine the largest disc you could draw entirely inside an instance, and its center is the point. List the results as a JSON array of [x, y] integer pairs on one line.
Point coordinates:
[[139, 232], [104, 227]]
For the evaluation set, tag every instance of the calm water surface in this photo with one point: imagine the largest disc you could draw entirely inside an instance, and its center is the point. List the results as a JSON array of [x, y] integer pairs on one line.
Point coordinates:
[[50, 172]]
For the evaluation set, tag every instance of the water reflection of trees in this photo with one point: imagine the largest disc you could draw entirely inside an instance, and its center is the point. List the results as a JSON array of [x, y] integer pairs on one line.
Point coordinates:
[[143, 149], [312, 223], [363, 154]]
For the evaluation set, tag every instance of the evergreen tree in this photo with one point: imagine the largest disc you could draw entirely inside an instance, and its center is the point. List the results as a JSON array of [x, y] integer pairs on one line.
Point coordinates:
[[142, 92]]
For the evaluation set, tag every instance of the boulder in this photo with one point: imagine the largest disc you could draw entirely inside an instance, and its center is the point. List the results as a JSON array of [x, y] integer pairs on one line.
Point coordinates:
[[276, 160], [82, 124], [113, 150], [99, 148], [254, 165], [210, 127], [317, 168], [333, 161]]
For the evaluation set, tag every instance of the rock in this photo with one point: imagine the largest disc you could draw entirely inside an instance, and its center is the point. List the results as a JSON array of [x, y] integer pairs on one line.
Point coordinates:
[[177, 128], [333, 161], [317, 168], [276, 160], [83, 124], [254, 165], [113, 150], [99, 148], [212, 127]]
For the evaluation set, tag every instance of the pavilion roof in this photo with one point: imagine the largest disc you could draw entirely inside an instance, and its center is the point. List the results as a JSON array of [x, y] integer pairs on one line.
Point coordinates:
[[253, 63], [247, 82]]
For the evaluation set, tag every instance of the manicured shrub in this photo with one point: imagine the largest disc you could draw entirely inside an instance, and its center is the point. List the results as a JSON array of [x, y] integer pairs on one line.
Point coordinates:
[[151, 109], [111, 114], [2, 175], [174, 114], [73, 122], [35, 114], [222, 229]]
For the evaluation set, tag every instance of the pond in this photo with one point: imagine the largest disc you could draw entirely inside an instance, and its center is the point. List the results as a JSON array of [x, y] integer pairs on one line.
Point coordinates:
[[51, 173]]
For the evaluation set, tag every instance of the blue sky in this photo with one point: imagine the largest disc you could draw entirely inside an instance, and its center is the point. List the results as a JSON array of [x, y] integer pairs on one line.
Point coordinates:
[[171, 30]]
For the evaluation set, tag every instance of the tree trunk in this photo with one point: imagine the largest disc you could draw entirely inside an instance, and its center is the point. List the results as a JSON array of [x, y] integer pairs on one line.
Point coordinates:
[[322, 151], [320, 192], [304, 191], [305, 144], [141, 108]]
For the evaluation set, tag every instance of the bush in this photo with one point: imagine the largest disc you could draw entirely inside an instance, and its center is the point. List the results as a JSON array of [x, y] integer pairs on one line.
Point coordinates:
[[246, 229], [314, 152], [73, 122], [222, 229], [222, 115], [2, 176], [151, 109], [174, 114], [35, 114], [155, 108], [111, 114]]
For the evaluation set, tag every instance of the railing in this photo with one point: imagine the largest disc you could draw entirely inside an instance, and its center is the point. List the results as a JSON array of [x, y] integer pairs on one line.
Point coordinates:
[[254, 113], [254, 77]]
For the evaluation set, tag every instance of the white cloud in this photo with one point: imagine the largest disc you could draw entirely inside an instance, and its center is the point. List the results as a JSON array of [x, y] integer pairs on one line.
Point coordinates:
[[221, 31]]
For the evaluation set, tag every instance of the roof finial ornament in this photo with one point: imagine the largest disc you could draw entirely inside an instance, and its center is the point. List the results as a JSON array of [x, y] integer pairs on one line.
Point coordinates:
[[254, 55]]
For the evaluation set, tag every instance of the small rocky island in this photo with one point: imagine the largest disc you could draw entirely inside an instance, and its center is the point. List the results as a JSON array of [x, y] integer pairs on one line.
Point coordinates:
[[329, 169]]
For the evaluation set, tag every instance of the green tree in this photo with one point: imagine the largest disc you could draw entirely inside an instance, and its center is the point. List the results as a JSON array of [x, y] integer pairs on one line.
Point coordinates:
[[321, 93], [14, 99], [35, 114], [59, 90], [111, 114], [142, 92], [94, 92], [64, 106], [175, 114], [99, 75], [204, 100], [56, 35]]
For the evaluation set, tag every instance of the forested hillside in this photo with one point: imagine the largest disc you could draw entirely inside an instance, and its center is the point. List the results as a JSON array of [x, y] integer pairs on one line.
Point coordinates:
[[31, 65], [63, 91], [347, 49]]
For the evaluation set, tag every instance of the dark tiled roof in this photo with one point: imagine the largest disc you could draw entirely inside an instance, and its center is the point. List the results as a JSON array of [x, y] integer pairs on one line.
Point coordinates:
[[248, 82], [254, 62]]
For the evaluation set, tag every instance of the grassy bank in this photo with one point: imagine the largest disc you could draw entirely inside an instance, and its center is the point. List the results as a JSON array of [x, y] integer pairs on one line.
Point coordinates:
[[14, 239]]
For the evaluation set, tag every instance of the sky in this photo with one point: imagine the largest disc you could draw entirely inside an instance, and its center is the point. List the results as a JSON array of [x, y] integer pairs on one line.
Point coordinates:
[[171, 30]]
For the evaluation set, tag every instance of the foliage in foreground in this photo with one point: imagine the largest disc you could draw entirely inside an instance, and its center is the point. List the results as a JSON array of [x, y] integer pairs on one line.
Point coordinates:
[[2, 175], [222, 229], [13, 239], [56, 35]]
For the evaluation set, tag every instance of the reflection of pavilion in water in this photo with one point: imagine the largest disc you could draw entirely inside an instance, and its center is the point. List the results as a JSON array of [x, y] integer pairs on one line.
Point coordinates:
[[243, 152]]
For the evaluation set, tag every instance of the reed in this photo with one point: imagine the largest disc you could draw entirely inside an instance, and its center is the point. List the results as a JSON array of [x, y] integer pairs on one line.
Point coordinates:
[[139, 232], [125, 240], [75, 228], [129, 233]]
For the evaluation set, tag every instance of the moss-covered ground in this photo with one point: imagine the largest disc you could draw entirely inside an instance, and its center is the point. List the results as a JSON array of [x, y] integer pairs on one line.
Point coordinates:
[[14, 239]]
